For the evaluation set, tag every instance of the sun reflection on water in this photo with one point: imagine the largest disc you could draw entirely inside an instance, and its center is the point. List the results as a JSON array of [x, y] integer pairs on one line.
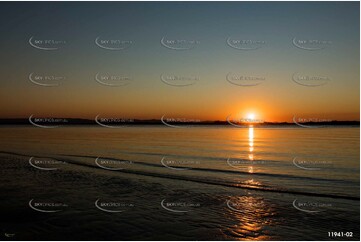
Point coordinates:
[[251, 147], [251, 214]]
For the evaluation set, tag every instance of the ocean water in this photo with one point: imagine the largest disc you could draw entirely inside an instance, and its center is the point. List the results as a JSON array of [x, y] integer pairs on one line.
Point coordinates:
[[162, 183]]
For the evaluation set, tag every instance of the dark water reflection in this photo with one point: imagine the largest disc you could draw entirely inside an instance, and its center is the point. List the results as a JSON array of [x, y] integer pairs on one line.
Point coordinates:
[[252, 216]]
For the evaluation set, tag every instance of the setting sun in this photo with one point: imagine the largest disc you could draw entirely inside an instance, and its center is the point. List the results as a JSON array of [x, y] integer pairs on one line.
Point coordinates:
[[250, 116]]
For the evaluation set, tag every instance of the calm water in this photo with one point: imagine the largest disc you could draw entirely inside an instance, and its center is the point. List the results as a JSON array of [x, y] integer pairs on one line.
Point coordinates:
[[201, 183]]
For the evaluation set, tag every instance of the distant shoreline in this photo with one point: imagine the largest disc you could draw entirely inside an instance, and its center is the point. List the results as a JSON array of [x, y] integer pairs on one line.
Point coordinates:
[[135, 122]]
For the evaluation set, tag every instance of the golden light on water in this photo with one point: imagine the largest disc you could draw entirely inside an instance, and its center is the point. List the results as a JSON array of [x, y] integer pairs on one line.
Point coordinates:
[[250, 136], [251, 147], [252, 216]]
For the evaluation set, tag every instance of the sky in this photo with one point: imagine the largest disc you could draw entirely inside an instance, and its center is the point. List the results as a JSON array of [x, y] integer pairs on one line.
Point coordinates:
[[214, 69]]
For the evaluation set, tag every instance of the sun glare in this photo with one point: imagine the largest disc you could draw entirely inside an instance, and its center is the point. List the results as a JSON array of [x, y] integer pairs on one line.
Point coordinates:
[[250, 116]]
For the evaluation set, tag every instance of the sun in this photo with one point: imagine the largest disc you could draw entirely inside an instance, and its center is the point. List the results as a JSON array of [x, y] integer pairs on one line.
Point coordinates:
[[250, 116]]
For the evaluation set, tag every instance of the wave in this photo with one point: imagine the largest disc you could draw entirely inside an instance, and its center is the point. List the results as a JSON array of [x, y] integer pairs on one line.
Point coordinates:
[[203, 181], [220, 171]]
